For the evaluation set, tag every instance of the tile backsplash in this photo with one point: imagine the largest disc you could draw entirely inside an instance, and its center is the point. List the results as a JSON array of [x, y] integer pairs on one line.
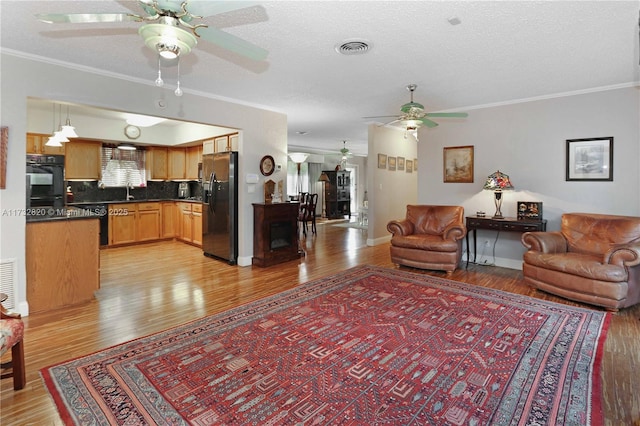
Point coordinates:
[[89, 191]]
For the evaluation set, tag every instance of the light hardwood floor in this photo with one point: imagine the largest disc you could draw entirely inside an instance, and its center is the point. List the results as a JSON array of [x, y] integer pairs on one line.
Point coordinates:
[[151, 287]]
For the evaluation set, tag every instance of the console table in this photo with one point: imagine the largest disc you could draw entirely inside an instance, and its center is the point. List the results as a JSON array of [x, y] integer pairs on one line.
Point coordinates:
[[508, 224]]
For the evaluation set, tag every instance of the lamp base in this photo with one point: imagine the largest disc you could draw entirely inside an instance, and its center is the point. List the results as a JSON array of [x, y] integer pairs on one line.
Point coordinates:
[[498, 216]]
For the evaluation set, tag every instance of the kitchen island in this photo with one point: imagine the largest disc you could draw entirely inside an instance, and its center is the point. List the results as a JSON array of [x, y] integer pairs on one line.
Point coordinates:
[[62, 258]]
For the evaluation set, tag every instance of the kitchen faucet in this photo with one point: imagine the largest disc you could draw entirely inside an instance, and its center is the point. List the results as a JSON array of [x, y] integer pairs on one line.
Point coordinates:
[[129, 196]]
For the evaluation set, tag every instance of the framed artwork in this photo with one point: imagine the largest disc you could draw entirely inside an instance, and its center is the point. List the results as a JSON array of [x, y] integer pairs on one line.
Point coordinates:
[[530, 210], [409, 166], [590, 159], [392, 164], [382, 161], [458, 164], [400, 163], [4, 142], [415, 164]]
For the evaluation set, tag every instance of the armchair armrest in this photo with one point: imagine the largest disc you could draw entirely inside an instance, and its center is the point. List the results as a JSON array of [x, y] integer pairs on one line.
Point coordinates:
[[5, 314], [400, 227], [545, 242], [454, 232], [623, 255]]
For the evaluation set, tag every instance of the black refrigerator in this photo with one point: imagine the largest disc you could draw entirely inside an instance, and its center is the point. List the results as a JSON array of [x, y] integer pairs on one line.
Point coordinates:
[[220, 206]]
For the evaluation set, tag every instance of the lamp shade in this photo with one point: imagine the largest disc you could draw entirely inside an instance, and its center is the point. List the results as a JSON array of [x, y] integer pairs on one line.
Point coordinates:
[[498, 181], [298, 157], [323, 177]]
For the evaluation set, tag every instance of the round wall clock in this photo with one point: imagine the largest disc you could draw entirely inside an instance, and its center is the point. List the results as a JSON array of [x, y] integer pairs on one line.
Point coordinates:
[[267, 165], [132, 132]]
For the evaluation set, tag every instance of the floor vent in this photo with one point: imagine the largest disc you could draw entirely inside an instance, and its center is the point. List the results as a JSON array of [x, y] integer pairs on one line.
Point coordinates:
[[8, 276]]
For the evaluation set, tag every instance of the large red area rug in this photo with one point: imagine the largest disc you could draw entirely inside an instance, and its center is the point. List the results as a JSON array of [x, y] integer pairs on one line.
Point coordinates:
[[368, 346]]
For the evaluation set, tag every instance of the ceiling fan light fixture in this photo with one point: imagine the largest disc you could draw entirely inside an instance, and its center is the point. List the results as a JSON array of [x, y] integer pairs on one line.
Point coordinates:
[[168, 51], [167, 39]]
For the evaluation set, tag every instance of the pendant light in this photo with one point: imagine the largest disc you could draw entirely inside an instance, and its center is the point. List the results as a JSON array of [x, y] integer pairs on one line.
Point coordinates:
[[60, 135], [68, 130], [53, 139]]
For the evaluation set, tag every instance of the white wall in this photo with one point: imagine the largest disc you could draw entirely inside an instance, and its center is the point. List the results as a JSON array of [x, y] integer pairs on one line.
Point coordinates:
[[389, 191], [263, 132], [528, 142]]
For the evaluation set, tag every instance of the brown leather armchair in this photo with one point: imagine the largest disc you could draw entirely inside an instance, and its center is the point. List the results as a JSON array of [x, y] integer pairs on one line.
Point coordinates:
[[594, 259], [430, 237]]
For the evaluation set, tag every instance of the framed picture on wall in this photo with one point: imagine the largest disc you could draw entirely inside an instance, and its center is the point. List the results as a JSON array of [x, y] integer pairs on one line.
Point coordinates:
[[382, 161], [400, 163], [392, 164], [409, 166], [415, 164], [590, 159], [458, 164]]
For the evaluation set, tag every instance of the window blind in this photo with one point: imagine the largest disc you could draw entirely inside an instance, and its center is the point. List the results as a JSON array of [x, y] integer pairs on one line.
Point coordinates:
[[120, 167]]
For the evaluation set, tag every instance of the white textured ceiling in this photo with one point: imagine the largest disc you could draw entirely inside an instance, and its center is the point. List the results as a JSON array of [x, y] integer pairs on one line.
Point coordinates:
[[500, 52]]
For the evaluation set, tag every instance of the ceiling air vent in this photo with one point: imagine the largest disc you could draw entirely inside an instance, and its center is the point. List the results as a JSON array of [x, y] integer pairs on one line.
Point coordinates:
[[353, 47]]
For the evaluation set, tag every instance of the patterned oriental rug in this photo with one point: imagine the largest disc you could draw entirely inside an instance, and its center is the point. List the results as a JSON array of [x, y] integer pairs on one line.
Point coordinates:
[[368, 346]]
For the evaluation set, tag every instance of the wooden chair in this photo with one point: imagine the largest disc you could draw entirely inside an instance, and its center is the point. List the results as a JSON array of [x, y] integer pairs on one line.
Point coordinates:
[[11, 336], [307, 212]]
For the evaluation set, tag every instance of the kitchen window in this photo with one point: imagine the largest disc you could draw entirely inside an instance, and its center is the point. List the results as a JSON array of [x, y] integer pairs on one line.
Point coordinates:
[[121, 168]]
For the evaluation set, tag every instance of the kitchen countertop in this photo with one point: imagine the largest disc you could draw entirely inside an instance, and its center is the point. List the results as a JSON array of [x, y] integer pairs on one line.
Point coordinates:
[[139, 200], [47, 214]]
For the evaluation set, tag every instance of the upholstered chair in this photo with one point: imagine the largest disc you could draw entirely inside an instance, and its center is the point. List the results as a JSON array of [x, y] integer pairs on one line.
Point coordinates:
[[594, 258], [429, 237], [11, 334]]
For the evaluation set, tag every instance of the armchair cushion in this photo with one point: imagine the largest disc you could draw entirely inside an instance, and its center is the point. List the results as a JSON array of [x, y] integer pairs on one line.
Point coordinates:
[[594, 258], [429, 237], [11, 332]]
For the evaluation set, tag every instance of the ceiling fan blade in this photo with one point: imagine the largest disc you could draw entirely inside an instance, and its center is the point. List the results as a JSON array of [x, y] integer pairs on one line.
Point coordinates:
[[428, 122], [209, 8], [391, 122], [447, 114], [233, 43], [83, 18], [381, 116]]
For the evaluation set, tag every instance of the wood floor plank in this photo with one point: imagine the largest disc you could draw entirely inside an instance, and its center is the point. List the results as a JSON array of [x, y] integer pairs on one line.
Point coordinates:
[[149, 288]]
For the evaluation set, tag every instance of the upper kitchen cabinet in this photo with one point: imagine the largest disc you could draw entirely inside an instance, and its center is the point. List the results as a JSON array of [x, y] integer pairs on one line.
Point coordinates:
[[194, 156], [36, 144], [158, 163], [82, 159], [177, 163]]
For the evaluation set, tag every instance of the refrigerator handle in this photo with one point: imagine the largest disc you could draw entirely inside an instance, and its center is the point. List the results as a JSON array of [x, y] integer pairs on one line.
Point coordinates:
[[212, 192]]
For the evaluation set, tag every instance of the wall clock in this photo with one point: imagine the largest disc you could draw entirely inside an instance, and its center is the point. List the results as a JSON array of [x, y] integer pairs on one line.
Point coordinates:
[[132, 132], [267, 165]]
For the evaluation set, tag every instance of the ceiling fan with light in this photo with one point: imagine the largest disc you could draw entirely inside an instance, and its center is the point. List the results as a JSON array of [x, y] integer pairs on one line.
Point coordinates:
[[414, 116], [172, 27]]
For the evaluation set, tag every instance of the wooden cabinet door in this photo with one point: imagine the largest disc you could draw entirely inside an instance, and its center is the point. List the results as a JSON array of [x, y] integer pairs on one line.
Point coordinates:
[[169, 220], [158, 159], [37, 144], [196, 215], [194, 156], [177, 163], [149, 222], [82, 160], [186, 225], [122, 224]]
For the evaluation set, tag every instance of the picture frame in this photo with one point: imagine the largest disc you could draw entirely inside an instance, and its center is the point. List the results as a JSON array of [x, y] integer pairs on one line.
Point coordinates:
[[391, 161], [382, 161], [400, 164], [415, 164], [458, 164], [409, 166], [590, 159], [529, 210]]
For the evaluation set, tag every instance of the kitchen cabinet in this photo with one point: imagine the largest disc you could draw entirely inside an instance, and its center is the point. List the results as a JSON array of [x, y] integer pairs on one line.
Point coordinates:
[[158, 163], [190, 218], [122, 223], [83, 159], [62, 262], [177, 163], [169, 219], [36, 144], [148, 221], [194, 156]]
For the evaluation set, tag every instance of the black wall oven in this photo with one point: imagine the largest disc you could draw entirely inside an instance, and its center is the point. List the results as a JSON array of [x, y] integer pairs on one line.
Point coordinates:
[[45, 181]]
